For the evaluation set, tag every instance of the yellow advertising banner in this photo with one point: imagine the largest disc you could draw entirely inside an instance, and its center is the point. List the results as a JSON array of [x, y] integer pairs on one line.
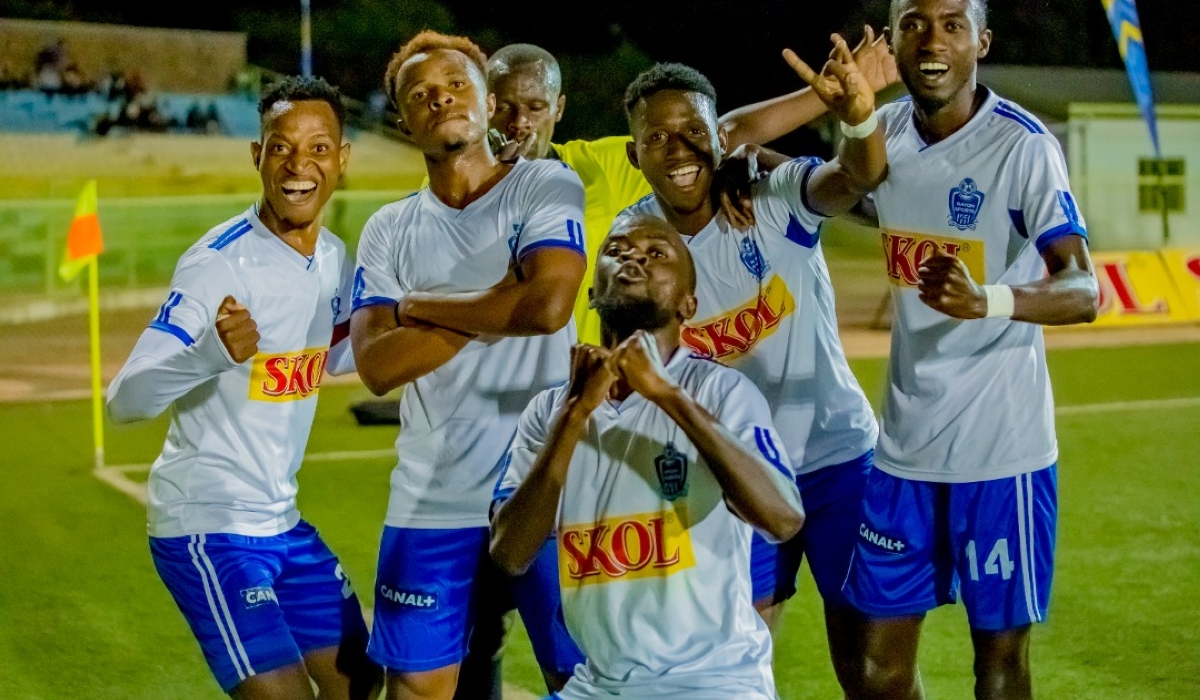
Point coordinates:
[[1183, 266], [1137, 289]]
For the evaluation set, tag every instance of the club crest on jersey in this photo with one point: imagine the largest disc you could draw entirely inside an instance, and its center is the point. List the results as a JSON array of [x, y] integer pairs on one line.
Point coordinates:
[[965, 202], [672, 469], [753, 259]]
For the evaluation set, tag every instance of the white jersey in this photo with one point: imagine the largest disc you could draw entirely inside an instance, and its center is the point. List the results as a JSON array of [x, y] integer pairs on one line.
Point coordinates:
[[766, 308], [653, 565], [456, 421], [238, 431], [969, 400]]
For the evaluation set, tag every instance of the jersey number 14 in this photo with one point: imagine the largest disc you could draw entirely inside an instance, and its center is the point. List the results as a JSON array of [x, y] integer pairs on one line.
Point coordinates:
[[998, 562]]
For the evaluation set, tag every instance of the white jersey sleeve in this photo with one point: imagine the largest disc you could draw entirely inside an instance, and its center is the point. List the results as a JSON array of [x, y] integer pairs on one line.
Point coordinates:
[[180, 349], [741, 408], [1044, 210], [377, 279], [341, 356], [554, 212], [789, 184], [533, 428]]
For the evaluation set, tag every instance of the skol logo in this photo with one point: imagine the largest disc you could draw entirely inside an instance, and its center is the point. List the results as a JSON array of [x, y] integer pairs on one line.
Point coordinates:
[[287, 377], [625, 548], [729, 335], [905, 250], [1118, 292]]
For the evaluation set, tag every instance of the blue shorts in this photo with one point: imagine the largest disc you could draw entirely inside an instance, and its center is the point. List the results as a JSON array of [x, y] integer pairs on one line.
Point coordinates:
[[922, 543], [429, 585], [832, 499], [256, 604]]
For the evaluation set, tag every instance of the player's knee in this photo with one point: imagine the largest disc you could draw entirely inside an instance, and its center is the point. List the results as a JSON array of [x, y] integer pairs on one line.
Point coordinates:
[[881, 678], [438, 684], [1002, 657]]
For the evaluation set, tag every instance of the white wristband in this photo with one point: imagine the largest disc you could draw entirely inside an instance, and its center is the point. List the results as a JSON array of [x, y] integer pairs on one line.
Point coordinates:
[[1000, 300], [861, 131]]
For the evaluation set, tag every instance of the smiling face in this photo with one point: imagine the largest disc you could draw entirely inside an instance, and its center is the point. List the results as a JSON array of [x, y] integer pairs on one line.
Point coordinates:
[[938, 44], [526, 102], [645, 277], [677, 145], [300, 158], [443, 101]]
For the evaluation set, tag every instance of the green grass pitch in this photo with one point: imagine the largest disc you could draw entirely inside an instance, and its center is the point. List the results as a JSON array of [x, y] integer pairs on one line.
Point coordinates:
[[82, 613]]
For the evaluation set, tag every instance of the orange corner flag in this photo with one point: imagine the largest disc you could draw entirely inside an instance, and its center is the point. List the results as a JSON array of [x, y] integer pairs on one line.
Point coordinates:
[[84, 240]]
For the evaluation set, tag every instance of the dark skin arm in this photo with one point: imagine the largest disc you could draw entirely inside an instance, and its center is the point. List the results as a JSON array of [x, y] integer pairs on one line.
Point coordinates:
[[537, 301], [1068, 295], [524, 523], [757, 493], [388, 356], [861, 163], [763, 122]]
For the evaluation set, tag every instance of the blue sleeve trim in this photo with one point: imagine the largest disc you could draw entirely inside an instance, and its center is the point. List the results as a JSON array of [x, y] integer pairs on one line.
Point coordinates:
[[231, 234], [559, 243], [1009, 112], [372, 301], [175, 331], [1067, 229], [766, 447], [1018, 221], [804, 189]]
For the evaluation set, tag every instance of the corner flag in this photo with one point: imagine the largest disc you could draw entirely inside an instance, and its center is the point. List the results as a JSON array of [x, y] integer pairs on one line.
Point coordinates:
[[84, 240], [1123, 16]]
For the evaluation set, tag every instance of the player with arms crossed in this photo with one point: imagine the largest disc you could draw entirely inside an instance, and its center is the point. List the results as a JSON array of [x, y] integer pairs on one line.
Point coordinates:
[[649, 475], [527, 82], [766, 307], [465, 290], [985, 245], [257, 313]]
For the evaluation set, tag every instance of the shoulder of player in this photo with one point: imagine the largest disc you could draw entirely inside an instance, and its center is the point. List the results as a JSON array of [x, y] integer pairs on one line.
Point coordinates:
[[222, 242], [896, 114], [1011, 119], [534, 173], [707, 379], [386, 219], [647, 205]]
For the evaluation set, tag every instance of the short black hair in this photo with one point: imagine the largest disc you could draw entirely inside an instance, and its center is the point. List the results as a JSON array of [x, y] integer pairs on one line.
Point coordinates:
[[514, 56], [667, 76], [977, 9], [294, 88]]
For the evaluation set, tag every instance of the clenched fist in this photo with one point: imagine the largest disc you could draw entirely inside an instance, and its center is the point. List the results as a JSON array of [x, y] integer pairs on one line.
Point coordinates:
[[237, 331]]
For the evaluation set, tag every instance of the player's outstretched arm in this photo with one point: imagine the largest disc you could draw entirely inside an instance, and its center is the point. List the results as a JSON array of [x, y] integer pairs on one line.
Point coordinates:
[[167, 362], [388, 356], [523, 523], [537, 300], [763, 122], [1067, 295], [758, 493], [861, 163]]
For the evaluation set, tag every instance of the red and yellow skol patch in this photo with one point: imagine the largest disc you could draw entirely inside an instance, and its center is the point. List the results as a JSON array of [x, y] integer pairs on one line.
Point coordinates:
[[904, 251], [289, 376], [624, 548], [729, 335]]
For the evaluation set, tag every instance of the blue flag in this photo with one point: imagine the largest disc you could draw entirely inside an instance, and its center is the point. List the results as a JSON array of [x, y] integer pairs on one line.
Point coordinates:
[[1123, 16]]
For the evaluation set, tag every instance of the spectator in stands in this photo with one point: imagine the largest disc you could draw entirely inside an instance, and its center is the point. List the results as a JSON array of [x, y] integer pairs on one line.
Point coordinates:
[[48, 68], [74, 84]]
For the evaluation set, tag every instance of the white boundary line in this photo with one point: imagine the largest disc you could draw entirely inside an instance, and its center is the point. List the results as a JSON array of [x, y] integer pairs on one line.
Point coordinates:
[[1118, 406]]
